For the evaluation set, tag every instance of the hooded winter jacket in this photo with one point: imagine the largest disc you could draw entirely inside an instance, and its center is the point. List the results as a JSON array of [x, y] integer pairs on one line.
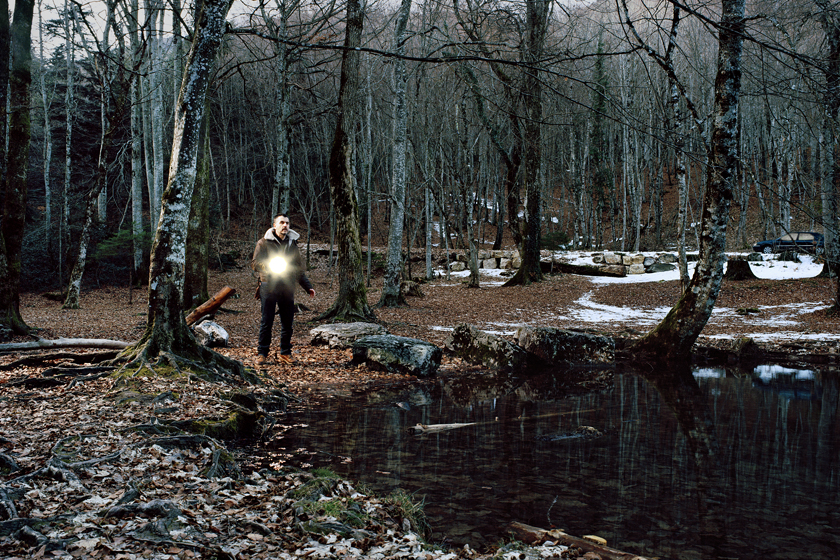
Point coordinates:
[[284, 283]]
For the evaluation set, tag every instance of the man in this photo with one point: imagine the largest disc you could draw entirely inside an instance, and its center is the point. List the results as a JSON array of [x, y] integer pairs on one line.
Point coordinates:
[[277, 260]]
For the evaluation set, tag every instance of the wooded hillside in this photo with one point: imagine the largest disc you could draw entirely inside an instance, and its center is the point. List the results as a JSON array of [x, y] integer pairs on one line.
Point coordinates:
[[625, 104]]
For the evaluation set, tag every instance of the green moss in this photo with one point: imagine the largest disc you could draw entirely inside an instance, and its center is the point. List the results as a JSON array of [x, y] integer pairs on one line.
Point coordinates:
[[238, 424]]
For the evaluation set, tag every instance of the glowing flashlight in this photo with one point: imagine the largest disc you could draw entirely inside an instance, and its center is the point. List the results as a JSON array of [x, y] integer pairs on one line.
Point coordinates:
[[277, 265]]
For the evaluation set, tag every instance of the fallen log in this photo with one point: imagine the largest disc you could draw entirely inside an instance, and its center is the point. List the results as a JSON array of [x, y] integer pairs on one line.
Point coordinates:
[[211, 305], [43, 343], [40, 359], [430, 428], [534, 535]]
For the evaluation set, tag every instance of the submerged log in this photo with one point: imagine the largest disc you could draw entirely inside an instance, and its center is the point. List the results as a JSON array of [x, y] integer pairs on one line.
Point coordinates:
[[534, 535], [211, 305], [430, 428]]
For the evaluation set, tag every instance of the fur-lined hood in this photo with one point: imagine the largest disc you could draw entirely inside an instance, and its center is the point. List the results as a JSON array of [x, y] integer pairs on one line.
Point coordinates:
[[291, 236]]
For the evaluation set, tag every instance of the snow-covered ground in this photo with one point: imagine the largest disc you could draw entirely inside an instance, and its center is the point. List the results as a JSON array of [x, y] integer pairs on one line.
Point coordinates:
[[590, 313]]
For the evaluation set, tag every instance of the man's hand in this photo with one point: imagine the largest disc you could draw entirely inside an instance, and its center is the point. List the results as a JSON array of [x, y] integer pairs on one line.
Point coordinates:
[[311, 293]]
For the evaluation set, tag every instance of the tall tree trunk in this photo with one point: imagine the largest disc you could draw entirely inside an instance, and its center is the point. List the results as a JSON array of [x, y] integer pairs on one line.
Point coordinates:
[[351, 302], [167, 334], [280, 193], [17, 168], [5, 46], [104, 68], [536, 22], [137, 235], [429, 226], [198, 232], [674, 337], [831, 146], [45, 101], [157, 113], [69, 112], [391, 293]]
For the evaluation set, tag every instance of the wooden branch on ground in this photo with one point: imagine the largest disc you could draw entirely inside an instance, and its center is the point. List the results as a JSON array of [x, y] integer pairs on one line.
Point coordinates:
[[55, 376], [211, 305], [43, 343], [87, 358], [534, 535]]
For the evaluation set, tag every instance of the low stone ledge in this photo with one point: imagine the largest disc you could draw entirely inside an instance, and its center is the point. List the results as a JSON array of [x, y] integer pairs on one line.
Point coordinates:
[[398, 354], [342, 335], [478, 347], [552, 346]]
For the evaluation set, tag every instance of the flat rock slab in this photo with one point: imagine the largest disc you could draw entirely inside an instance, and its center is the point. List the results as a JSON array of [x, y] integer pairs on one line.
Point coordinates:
[[552, 346], [342, 335], [398, 354], [486, 349]]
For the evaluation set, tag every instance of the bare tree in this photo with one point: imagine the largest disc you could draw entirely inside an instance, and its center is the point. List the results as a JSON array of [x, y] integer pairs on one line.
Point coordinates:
[[673, 338], [167, 335], [17, 167], [48, 145], [351, 302], [391, 293], [829, 132], [136, 146], [5, 46]]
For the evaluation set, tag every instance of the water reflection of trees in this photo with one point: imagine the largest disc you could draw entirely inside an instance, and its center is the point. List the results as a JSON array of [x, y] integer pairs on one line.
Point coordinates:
[[679, 390], [715, 467]]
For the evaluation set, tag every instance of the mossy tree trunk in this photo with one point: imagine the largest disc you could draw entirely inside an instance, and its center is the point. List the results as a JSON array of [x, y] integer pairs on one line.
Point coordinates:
[[198, 232], [15, 181], [167, 335], [830, 173], [351, 303], [674, 337]]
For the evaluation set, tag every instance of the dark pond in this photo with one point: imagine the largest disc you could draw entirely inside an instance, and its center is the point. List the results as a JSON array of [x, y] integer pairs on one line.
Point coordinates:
[[722, 464]]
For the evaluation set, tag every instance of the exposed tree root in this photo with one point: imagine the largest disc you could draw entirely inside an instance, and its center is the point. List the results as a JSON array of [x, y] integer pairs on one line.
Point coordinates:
[[53, 377], [155, 508], [347, 313], [523, 277], [42, 359], [7, 464], [198, 360]]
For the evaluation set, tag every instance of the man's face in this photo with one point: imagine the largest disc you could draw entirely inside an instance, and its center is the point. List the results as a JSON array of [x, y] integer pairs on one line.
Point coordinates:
[[281, 225]]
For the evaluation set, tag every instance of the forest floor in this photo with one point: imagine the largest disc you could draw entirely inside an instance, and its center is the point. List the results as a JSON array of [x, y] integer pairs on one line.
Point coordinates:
[[81, 449]]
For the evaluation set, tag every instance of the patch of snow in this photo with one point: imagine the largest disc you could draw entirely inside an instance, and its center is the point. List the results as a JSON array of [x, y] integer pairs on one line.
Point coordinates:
[[781, 335], [709, 373], [770, 372], [592, 312]]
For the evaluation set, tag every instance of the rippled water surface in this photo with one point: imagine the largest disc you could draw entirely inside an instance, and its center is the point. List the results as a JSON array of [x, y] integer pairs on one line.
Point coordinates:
[[722, 464]]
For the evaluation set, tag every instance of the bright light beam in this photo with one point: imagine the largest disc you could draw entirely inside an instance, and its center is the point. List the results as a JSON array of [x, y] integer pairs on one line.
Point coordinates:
[[277, 265]]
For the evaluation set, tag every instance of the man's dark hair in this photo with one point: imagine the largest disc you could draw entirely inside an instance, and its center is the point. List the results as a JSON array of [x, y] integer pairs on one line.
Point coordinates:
[[277, 215]]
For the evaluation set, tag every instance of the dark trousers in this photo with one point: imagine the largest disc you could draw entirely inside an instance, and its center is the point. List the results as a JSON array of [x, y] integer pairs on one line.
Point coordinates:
[[282, 305]]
